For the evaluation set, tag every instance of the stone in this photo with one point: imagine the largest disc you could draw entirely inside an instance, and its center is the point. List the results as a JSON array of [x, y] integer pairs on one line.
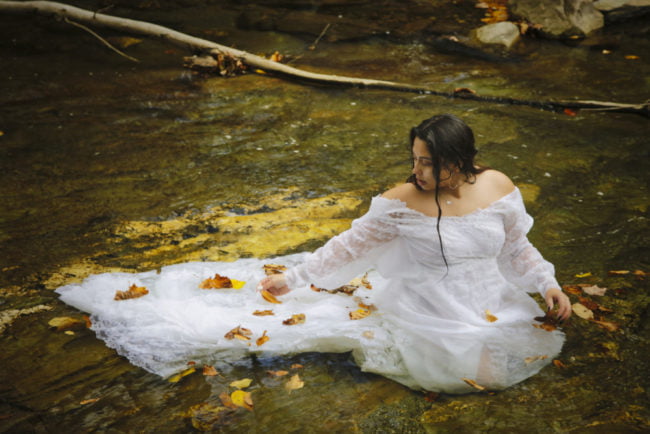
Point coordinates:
[[560, 18], [503, 33], [611, 5]]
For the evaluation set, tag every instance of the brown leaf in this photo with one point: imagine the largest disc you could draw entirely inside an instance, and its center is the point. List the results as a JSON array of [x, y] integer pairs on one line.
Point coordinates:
[[431, 396], [266, 295], [274, 269], [610, 326], [294, 383], [226, 400], [618, 272], [572, 289], [559, 364], [216, 282], [262, 339], [297, 366], [89, 323], [594, 290], [570, 112], [549, 321], [532, 359], [132, 292], [278, 373], [473, 384], [89, 401], [465, 90], [263, 312], [298, 318], [240, 333], [640, 274], [489, 317], [209, 371]]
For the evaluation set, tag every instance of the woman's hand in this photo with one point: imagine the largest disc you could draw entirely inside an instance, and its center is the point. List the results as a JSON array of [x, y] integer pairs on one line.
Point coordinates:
[[276, 284], [555, 297]]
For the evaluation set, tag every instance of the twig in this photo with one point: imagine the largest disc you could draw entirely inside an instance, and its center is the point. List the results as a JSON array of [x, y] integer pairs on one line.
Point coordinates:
[[313, 46], [104, 41]]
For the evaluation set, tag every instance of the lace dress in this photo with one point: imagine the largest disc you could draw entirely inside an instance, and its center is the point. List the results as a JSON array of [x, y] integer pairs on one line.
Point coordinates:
[[430, 326]]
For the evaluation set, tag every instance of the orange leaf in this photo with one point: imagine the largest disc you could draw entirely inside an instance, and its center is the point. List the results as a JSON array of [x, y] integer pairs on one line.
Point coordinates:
[[473, 384], [559, 364], [532, 359], [297, 366], [610, 326], [262, 339], [298, 318], [618, 272], [263, 312], [294, 383], [640, 274], [240, 333], [266, 295], [572, 289], [489, 317], [632, 57], [89, 324], [217, 282], [132, 292], [274, 269], [278, 373], [465, 90], [89, 401], [209, 371]]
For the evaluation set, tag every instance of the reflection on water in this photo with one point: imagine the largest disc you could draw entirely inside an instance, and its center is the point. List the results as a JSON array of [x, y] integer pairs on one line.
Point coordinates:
[[91, 143]]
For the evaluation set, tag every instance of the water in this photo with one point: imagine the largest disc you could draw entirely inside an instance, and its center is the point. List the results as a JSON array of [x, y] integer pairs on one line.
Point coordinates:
[[108, 164]]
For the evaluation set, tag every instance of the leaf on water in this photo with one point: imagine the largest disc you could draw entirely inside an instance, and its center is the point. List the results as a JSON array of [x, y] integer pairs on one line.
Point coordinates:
[[559, 364], [359, 314], [221, 282], [607, 325], [572, 289], [632, 57], [176, 378], [262, 339], [240, 333], [294, 383], [242, 399], [465, 90], [640, 274], [276, 57], [581, 275], [594, 290], [532, 359], [89, 401], [209, 371], [549, 321], [278, 373], [570, 112], [266, 295], [132, 292], [263, 312], [63, 323], [298, 318], [297, 366], [270, 269], [582, 311], [618, 272], [474, 384], [241, 384], [489, 317], [226, 401]]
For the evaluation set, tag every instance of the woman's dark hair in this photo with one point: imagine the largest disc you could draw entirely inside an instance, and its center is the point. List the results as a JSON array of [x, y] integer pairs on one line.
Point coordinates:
[[451, 145]]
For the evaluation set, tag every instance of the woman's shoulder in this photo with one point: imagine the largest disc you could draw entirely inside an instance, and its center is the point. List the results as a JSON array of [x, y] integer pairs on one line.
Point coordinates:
[[492, 185], [404, 192]]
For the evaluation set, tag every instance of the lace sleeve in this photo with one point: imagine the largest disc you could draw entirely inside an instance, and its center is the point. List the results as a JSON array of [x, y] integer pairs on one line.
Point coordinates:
[[350, 253], [519, 261]]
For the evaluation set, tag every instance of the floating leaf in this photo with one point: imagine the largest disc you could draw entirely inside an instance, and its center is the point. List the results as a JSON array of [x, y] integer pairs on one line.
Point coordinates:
[[266, 295], [570, 112], [132, 292], [582, 311], [297, 366], [209, 371], [473, 383], [559, 364], [63, 323], [278, 373], [240, 333], [594, 290], [610, 326], [532, 359], [226, 400], [241, 384], [431, 396], [359, 314], [465, 90], [89, 401], [270, 269], [618, 272], [262, 339], [581, 275], [489, 317], [263, 312], [632, 57], [176, 378], [640, 274], [572, 289], [294, 383], [242, 399], [298, 318]]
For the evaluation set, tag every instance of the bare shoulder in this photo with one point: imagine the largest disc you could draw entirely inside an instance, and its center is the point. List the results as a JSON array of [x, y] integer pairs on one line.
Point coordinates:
[[404, 192], [494, 185]]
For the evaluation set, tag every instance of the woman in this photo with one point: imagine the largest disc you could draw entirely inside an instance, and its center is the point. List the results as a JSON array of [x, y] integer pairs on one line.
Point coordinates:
[[451, 266], [452, 242]]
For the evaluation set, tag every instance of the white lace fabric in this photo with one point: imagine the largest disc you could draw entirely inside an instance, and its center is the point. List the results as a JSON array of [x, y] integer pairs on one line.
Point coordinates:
[[431, 328]]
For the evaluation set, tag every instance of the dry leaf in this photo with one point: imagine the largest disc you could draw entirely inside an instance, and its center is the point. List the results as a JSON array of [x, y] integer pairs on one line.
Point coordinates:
[[209, 371], [594, 290], [640, 274], [465, 90], [359, 314], [242, 399], [559, 364], [240, 333], [276, 57], [274, 269], [266, 295], [581, 275], [632, 57], [89, 401], [241, 384], [570, 112], [489, 317], [549, 321], [262, 339], [297, 366], [298, 318], [473, 384], [132, 292], [294, 383], [263, 312], [226, 401], [618, 272], [278, 373], [534, 359], [582, 311], [176, 378], [221, 282], [610, 326], [63, 323], [361, 281], [572, 289], [89, 324]]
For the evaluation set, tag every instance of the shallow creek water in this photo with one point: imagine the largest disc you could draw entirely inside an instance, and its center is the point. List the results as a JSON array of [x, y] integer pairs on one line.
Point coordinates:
[[110, 165]]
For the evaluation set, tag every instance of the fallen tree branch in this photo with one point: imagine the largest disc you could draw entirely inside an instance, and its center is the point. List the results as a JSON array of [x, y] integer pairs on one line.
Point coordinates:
[[48, 8]]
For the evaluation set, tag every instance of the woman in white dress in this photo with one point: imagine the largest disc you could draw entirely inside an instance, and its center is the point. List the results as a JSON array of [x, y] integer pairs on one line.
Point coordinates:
[[450, 267]]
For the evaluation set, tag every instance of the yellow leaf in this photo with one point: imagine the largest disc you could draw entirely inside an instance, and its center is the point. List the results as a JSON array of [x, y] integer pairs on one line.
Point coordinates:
[[263, 312], [359, 314], [176, 378], [241, 384], [266, 295], [242, 399], [632, 57], [62, 323], [237, 284], [270, 269], [489, 317], [262, 339], [582, 311], [297, 366], [580, 275], [298, 318], [294, 383], [368, 334], [239, 332]]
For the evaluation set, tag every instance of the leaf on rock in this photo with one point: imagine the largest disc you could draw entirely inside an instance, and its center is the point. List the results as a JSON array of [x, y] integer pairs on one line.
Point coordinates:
[[176, 378], [532, 359], [63, 323], [241, 384], [361, 281], [594, 290], [294, 383], [489, 317], [582, 311], [89, 323], [298, 318], [209, 371], [266, 295], [242, 399], [263, 312], [262, 339], [474, 384], [221, 282], [278, 373], [270, 269], [132, 292], [240, 333], [359, 314]]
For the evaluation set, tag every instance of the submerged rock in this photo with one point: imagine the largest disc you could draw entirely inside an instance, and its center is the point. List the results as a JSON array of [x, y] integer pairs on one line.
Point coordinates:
[[560, 18], [504, 33]]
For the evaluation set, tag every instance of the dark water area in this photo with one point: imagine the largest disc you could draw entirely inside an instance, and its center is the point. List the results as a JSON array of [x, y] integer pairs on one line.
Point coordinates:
[[106, 164]]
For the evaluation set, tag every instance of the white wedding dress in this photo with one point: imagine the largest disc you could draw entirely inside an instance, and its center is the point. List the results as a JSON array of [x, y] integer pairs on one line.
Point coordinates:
[[434, 325]]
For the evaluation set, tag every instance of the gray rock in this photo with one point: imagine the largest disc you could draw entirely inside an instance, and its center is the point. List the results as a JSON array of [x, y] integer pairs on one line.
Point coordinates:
[[504, 33], [559, 18], [611, 5]]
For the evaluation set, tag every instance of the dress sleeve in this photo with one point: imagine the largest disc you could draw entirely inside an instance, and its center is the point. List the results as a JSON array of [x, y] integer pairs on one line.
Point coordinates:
[[350, 253], [519, 261]]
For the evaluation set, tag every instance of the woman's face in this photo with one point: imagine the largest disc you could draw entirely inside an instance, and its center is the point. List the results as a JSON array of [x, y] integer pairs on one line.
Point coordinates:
[[423, 168]]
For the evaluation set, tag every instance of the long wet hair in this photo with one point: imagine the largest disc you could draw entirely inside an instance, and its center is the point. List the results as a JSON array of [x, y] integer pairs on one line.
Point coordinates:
[[451, 144]]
